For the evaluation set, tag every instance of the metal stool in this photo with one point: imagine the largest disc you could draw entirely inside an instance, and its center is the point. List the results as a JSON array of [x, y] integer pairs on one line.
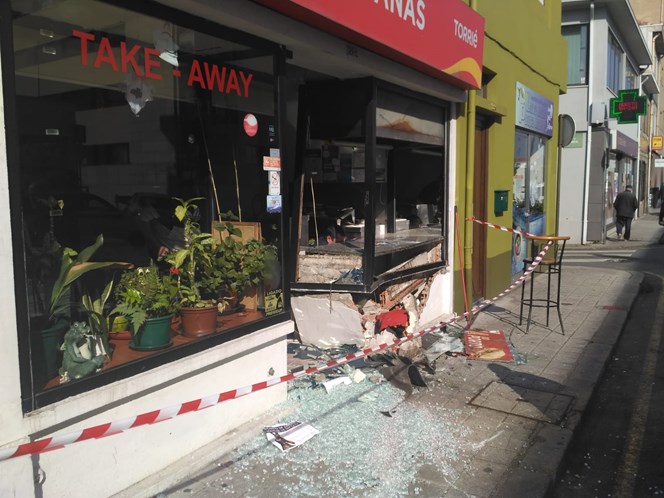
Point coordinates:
[[551, 264]]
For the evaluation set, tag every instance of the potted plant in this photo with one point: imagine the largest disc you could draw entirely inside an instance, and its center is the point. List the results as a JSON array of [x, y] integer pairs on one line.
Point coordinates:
[[149, 301], [97, 318], [239, 265], [192, 267], [55, 321]]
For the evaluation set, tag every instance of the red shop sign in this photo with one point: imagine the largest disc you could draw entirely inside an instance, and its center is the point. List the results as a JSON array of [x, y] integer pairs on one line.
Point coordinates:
[[444, 38]]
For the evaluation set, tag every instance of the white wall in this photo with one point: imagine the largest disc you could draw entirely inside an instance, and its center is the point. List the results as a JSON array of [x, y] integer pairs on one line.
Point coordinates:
[[124, 459]]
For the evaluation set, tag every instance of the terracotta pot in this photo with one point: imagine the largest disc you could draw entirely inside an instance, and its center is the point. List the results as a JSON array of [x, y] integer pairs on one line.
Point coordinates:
[[197, 322]]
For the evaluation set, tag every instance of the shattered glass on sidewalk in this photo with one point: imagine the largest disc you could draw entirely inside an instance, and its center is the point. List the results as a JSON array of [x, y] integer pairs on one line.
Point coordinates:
[[359, 451]]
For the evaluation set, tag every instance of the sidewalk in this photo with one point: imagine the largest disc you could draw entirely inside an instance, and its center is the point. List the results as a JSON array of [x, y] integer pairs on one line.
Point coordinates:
[[481, 428]]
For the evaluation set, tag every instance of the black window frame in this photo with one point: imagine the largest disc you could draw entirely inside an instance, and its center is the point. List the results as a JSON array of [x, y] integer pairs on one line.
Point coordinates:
[[376, 274], [31, 397]]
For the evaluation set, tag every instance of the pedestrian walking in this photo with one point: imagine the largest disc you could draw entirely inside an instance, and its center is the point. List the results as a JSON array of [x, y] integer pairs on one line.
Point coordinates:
[[625, 205]]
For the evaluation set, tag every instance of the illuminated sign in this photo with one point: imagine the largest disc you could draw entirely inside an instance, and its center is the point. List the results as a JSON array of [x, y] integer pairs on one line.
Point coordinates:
[[628, 106]]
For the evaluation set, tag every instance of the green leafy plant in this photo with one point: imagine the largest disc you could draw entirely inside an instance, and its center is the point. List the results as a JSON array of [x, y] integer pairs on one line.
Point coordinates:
[[144, 293], [239, 264], [74, 265], [192, 265]]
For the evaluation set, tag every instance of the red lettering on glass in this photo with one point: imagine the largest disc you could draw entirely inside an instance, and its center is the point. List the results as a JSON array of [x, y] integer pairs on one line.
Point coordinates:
[[233, 83], [85, 38], [212, 75], [246, 81], [195, 75], [150, 63], [223, 78], [105, 54], [128, 58]]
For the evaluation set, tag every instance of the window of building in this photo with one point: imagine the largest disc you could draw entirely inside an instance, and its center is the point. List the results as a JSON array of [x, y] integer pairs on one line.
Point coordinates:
[[614, 67], [117, 114], [631, 78], [529, 188], [576, 37]]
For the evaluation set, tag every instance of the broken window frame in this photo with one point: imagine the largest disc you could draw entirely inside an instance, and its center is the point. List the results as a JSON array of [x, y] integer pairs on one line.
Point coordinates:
[[355, 107]]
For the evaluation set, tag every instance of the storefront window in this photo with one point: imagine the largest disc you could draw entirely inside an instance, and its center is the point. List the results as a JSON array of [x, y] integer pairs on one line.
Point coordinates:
[[118, 115], [529, 191], [373, 164]]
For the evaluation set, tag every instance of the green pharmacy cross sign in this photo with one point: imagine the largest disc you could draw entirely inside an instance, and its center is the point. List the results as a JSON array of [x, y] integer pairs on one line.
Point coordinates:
[[628, 106]]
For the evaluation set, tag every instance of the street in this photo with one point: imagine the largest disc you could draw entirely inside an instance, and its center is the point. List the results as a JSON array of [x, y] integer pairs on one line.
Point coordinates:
[[618, 448]]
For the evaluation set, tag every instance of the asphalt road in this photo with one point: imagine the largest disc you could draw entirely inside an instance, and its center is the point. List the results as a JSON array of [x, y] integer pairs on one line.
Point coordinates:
[[618, 450]]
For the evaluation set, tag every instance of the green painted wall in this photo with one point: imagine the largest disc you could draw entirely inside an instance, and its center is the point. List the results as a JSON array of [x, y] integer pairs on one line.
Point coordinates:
[[522, 43]]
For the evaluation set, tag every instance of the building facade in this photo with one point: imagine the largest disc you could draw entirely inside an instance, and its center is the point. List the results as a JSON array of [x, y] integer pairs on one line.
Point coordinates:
[[650, 17], [607, 54], [294, 118], [513, 152]]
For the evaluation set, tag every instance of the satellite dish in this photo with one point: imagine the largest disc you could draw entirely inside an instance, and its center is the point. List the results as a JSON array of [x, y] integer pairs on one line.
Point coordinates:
[[566, 130]]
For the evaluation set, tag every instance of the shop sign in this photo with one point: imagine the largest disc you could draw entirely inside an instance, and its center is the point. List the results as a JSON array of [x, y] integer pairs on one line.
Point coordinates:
[[533, 111], [274, 302], [578, 141], [444, 38], [145, 62], [656, 142], [628, 106], [271, 163], [623, 143]]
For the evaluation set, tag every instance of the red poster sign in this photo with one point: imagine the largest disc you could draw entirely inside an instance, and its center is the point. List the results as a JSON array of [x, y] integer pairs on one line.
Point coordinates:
[[488, 345], [444, 38]]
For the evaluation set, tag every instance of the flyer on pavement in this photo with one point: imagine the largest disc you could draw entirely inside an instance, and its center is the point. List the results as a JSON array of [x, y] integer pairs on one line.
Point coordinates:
[[288, 436]]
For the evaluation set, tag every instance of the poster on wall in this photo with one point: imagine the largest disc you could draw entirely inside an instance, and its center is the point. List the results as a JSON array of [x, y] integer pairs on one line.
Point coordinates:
[[533, 111]]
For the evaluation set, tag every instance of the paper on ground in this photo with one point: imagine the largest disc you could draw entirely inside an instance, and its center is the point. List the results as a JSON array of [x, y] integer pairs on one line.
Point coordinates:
[[289, 436], [332, 383]]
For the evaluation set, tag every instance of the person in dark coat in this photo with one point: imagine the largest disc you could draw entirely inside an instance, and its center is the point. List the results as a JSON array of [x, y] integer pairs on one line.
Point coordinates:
[[625, 205]]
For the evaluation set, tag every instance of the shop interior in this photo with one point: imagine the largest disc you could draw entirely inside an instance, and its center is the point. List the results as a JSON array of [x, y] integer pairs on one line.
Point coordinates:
[[372, 163]]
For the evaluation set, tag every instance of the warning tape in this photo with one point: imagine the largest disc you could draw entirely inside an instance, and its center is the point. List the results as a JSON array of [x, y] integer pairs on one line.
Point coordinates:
[[500, 227], [153, 417]]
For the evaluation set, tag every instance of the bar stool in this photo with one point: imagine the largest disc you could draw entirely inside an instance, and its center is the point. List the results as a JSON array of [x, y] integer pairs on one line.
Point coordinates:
[[551, 264]]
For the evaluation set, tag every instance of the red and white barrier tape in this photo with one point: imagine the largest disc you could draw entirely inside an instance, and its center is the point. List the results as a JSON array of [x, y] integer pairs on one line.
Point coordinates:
[[148, 418], [500, 227]]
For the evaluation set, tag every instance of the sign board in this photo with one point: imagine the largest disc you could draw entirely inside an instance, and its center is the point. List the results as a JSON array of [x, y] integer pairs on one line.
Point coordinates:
[[659, 163], [444, 38], [566, 130], [656, 142], [578, 141], [628, 106], [533, 111]]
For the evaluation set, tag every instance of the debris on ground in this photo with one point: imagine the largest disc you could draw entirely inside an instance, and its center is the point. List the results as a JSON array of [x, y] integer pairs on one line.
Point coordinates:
[[288, 436]]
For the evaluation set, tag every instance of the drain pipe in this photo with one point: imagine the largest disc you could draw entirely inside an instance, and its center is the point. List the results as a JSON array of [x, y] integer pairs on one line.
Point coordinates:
[[470, 181]]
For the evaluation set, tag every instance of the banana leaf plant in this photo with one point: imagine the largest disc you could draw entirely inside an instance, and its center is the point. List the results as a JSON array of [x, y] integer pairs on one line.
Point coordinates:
[[97, 319], [74, 265]]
